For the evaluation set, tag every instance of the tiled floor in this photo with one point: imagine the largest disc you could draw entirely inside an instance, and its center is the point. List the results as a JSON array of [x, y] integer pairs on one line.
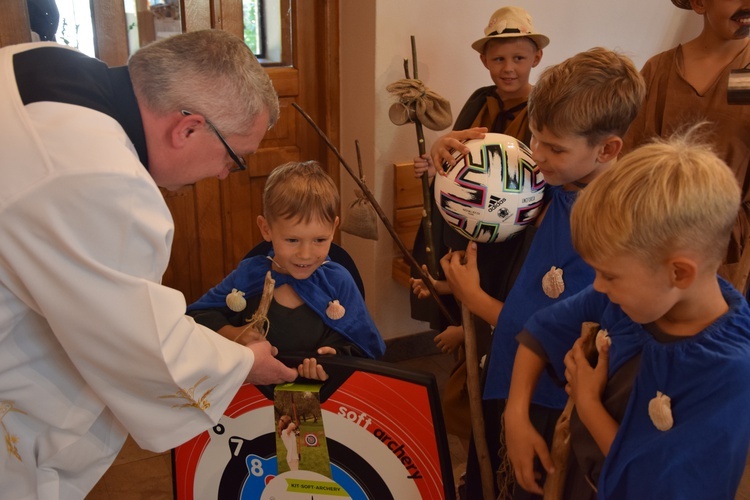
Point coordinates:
[[137, 474]]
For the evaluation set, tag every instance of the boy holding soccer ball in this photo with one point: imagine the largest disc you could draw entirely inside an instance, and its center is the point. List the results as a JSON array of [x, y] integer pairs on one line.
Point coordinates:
[[579, 110]]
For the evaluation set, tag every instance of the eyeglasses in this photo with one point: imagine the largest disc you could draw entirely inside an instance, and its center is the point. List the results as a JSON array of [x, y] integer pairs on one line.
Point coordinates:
[[241, 165]]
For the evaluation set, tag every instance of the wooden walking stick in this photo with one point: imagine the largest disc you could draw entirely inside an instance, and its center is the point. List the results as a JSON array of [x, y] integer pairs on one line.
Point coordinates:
[[432, 261], [475, 404], [560, 452]]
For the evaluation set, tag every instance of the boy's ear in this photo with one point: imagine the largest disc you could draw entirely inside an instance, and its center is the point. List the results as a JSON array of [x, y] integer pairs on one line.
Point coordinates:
[[483, 58], [265, 228], [683, 271], [609, 149], [537, 58], [699, 6], [336, 222]]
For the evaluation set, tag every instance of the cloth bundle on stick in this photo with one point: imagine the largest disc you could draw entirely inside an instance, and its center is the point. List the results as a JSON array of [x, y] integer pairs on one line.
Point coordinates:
[[361, 219], [419, 105]]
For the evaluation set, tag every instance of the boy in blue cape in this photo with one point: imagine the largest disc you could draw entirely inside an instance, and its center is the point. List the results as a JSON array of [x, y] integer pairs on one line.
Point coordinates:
[[316, 306]]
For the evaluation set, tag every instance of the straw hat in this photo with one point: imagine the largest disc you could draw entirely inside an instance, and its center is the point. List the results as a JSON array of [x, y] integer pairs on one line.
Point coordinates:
[[683, 4], [511, 22]]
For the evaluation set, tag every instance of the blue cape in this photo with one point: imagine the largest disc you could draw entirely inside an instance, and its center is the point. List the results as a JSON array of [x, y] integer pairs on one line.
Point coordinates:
[[706, 376], [552, 246], [329, 282]]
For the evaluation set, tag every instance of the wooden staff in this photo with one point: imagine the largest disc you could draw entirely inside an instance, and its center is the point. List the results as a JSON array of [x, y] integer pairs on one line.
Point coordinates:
[[560, 452], [387, 223], [429, 240], [475, 404], [259, 321]]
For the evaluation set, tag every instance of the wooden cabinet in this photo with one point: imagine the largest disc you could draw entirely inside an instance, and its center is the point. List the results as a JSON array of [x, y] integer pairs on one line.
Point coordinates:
[[215, 220]]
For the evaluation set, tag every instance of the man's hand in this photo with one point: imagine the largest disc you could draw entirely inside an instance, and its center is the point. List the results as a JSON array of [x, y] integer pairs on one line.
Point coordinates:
[[266, 368]]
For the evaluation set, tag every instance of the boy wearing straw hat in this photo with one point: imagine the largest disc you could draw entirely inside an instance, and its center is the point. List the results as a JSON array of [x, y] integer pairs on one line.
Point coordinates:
[[509, 49], [688, 83]]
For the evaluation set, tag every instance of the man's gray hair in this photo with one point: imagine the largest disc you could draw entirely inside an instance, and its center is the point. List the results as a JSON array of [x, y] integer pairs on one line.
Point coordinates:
[[208, 72]]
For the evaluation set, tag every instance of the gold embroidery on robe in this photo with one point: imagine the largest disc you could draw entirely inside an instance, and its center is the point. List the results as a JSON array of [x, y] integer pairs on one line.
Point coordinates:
[[10, 440], [189, 396]]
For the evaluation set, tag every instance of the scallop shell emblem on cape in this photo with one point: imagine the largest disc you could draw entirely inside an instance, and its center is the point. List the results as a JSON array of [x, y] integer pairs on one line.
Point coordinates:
[[552, 283], [335, 310], [236, 300], [660, 411], [602, 339]]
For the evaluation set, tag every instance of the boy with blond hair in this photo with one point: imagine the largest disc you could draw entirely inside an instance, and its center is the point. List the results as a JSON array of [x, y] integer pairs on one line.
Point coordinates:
[[579, 110], [662, 413], [316, 304]]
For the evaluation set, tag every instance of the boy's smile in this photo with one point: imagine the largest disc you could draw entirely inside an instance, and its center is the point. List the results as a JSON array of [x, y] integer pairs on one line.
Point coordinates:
[[509, 62], [299, 247]]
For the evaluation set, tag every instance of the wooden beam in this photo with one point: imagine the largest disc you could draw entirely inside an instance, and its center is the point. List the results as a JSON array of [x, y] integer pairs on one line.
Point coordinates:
[[14, 23]]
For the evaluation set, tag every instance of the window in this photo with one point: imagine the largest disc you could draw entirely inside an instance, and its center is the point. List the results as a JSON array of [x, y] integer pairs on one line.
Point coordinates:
[[267, 30], [151, 20], [75, 28], [267, 26], [253, 23]]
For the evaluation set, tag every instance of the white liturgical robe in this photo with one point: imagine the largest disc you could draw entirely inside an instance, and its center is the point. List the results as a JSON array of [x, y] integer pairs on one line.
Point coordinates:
[[92, 346]]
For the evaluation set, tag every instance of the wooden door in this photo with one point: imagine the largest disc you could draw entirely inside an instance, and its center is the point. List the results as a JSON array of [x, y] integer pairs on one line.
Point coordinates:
[[215, 220]]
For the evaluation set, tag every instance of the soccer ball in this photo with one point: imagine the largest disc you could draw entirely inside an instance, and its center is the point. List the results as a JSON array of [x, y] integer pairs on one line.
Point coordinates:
[[492, 192]]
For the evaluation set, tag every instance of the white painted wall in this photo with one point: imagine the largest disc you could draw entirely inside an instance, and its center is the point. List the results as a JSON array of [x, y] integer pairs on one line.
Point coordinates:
[[375, 39]]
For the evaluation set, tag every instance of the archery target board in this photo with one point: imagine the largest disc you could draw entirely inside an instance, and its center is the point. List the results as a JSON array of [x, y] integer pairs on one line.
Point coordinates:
[[384, 431]]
